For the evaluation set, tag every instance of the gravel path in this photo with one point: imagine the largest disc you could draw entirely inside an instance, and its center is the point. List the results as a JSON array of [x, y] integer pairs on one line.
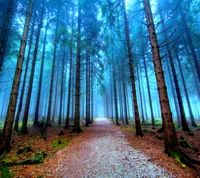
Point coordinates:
[[101, 152]]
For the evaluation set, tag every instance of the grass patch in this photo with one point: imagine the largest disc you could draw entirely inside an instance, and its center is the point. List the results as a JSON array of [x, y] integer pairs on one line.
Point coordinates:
[[128, 128], [5, 172], [58, 144]]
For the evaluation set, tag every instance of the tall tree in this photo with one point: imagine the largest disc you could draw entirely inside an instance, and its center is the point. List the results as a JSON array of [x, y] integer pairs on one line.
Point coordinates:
[[29, 93], [131, 67], [48, 120], [177, 87], [5, 30], [77, 128], [7, 130], [36, 119], [170, 138], [21, 98]]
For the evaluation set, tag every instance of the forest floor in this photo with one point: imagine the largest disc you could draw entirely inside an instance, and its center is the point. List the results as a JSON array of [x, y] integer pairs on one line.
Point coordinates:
[[102, 150]]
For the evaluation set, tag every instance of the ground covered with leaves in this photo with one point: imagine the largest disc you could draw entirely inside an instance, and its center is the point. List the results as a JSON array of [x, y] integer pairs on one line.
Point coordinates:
[[102, 150]]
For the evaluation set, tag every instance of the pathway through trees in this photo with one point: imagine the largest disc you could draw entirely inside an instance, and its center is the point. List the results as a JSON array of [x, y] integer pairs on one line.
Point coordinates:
[[103, 151]]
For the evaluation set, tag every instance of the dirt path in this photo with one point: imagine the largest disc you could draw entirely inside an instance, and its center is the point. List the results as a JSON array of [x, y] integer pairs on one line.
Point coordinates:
[[102, 151]]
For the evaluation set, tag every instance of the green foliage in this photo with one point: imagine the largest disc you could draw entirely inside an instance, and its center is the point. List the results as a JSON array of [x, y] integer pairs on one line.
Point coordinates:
[[158, 121], [60, 143], [128, 128], [5, 172], [7, 160]]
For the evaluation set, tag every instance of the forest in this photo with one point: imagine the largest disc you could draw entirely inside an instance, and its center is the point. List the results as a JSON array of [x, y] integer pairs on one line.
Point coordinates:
[[66, 63]]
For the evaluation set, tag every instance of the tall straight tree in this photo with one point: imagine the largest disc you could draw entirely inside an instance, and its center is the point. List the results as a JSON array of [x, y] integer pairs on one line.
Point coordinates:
[[88, 84], [130, 56], [170, 138], [5, 138], [48, 121], [35, 123], [21, 98], [176, 84], [77, 128], [29, 93], [5, 30], [70, 74]]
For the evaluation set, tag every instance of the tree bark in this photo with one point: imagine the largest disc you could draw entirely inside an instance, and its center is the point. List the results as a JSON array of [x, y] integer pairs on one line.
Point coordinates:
[[61, 90], [115, 97], [7, 129], [88, 85], [35, 123], [130, 56], [48, 122], [170, 138], [29, 93], [185, 90], [177, 88], [5, 31], [77, 128], [21, 98]]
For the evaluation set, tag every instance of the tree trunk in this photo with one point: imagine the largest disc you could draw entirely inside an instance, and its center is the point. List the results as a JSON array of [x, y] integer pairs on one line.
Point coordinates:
[[7, 129], [140, 95], [191, 45], [92, 94], [70, 77], [26, 112], [21, 98], [130, 56], [48, 122], [88, 85], [185, 90], [177, 88], [61, 90], [40, 79], [115, 97], [77, 128], [5, 31], [55, 98], [111, 95], [170, 138], [148, 89], [124, 96]]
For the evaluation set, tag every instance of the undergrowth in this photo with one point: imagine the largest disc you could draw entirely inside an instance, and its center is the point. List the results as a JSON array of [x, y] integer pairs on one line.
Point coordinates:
[[58, 144]]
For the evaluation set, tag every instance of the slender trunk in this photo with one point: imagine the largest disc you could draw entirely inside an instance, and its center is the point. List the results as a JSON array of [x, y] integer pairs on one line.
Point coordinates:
[[174, 95], [7, 129], [77, 128], [120, 100], [92, 95], [124, 96], [130, 56], [87, 86], [61, 91], [140, 94], [148, 90], [48, 122], [186, 91], [170, 138], [111, 95], [55, 98], [27, 106], [177, 88], [115, 97], [5, 31], [70, 78], [191, 45], [21, 98], [40, 79]]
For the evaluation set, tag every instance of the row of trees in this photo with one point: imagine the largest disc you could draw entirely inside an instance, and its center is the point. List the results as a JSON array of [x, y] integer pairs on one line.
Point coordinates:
[[65, 47]]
